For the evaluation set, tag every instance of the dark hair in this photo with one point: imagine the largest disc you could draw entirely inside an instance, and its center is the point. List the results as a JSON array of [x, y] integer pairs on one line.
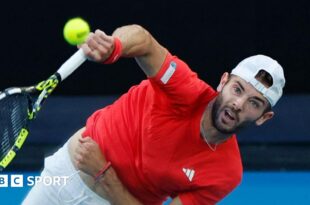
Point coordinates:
[[265, 78], [268, 108]]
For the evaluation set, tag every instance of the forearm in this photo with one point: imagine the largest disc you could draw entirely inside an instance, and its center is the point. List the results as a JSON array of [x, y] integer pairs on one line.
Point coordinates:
[[116, 192], [139, 43], [136, 41]]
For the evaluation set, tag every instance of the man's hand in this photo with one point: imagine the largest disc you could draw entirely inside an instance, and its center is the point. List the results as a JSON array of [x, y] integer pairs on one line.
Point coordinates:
[[88, 156], [135, 42], [90, 160], [98, 46]]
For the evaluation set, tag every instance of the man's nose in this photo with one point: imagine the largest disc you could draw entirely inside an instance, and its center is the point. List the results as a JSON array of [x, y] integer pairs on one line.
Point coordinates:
[[238, 103]]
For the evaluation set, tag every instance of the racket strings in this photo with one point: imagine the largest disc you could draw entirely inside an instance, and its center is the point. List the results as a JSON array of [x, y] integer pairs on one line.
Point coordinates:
[[14, 115]]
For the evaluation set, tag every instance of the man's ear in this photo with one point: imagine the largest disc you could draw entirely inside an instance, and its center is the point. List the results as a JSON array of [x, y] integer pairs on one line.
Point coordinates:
[[266, 116], [224, 80]]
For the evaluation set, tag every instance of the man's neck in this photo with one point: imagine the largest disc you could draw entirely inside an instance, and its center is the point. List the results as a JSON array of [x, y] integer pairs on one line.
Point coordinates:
[[210, 134]]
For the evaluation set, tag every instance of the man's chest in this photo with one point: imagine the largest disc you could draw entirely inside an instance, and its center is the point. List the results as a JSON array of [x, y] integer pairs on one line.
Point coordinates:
[[181, 169]]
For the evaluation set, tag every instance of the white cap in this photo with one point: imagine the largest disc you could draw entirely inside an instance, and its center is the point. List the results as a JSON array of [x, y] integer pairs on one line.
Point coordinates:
[[249, 68]]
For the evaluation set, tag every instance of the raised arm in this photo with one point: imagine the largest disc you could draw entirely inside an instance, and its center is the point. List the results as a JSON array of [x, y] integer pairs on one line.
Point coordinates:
[[135, 42]]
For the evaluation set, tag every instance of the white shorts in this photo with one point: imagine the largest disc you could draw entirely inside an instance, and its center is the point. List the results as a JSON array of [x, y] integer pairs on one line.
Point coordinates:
[[72, 191]]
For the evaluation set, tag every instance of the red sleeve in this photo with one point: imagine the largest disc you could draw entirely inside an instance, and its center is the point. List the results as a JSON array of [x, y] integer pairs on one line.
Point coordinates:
[[180, 84]]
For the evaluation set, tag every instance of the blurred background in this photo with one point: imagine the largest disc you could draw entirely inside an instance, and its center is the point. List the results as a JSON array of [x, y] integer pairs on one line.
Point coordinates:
[[211, 36]]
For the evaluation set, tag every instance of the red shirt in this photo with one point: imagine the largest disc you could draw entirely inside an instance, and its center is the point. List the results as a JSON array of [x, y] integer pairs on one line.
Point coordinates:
[[151, 135]]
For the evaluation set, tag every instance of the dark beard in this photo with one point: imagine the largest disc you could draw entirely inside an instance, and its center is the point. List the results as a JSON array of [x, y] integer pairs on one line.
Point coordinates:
[[215, 112]]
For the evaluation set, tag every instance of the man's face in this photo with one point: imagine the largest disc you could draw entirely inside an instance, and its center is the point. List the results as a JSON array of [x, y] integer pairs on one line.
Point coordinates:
[[237, 105]]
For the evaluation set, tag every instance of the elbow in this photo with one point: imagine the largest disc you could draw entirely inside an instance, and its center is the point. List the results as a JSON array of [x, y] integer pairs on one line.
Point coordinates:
[[141, 41], [142, 35], [139, 30], [134, 30]]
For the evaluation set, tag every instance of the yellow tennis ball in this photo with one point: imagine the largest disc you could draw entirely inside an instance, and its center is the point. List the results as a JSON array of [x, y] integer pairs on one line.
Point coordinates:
[[76, 31]]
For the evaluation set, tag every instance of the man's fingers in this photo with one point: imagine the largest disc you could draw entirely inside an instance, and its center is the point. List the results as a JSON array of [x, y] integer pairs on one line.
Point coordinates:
[[78, 159], [85, 49], [92, 43], [104, 37], [80, 150], [102, 46], [98, 46], [101, 41], [100, 32], [85, 139], [86, 145]]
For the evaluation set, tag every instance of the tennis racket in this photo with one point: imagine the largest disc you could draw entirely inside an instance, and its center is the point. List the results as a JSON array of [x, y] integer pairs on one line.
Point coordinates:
[[20, 105]]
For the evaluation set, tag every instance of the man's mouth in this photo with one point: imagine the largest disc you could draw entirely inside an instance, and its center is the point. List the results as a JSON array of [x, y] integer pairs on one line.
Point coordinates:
[[230, 114]]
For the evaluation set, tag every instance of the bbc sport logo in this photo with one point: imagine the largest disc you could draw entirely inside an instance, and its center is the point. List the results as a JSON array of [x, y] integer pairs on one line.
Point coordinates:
[[18, 180]]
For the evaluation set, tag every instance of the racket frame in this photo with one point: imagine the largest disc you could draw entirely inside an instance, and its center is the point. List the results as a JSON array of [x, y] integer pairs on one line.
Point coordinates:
[[45, 88]]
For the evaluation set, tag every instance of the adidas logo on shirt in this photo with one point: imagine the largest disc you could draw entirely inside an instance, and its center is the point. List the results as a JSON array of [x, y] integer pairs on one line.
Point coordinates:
[[189, 173]]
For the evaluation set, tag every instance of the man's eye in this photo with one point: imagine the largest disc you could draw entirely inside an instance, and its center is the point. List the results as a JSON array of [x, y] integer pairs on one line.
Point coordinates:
[[237, 90], [254, 103]]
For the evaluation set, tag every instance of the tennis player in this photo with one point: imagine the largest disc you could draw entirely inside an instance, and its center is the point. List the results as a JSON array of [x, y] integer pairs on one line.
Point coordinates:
[[171, 135]]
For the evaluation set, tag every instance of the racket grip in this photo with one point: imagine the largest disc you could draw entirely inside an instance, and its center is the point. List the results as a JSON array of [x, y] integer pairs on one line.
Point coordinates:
[[71, 64]]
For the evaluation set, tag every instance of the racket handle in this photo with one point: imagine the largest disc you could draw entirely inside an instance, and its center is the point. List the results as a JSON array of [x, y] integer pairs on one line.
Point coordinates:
[[71, 64]]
